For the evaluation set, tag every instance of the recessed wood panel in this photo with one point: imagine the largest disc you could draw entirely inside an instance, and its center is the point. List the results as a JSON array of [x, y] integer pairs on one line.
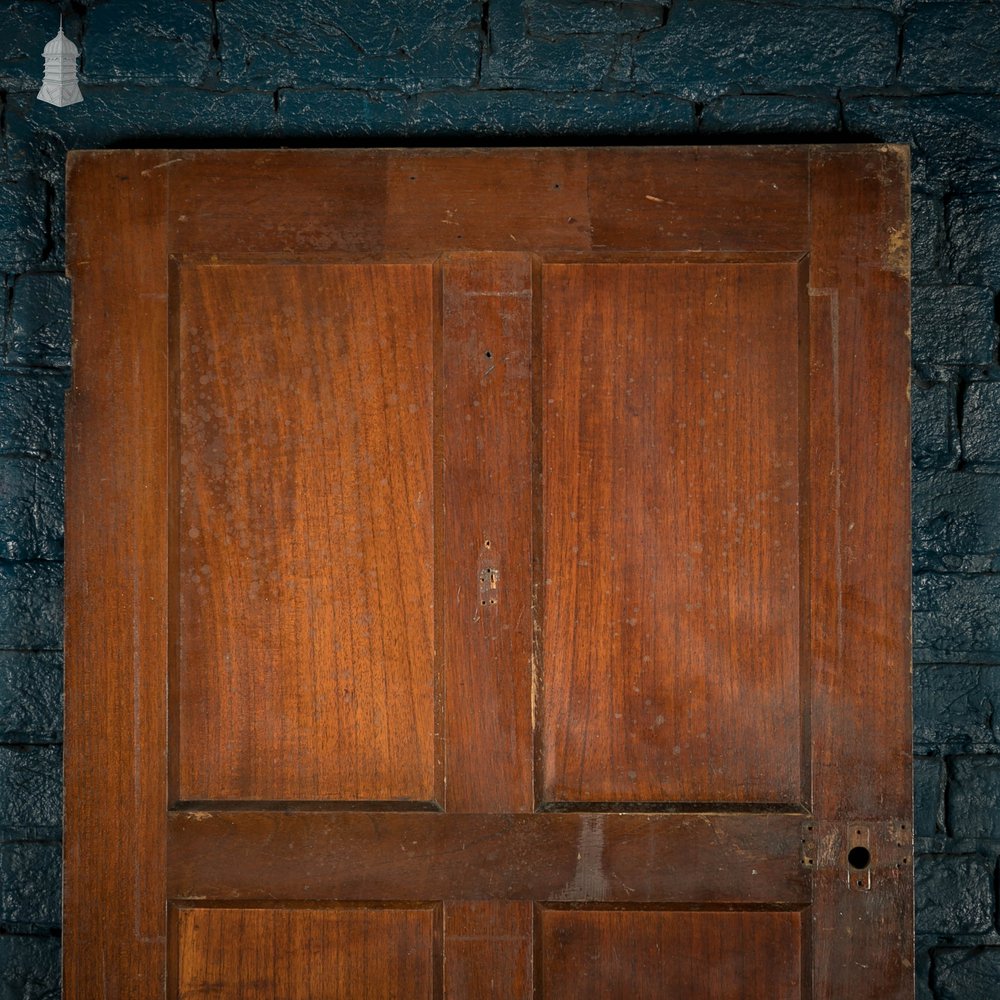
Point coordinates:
[[670, 501], [639, 954], [303, 624], [343, 953]]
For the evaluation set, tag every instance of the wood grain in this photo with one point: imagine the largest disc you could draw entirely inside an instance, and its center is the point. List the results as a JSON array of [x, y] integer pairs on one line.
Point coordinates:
[[622, 954], [114, 907], [304, 639], [488, 950], [670, 465], [252, 329], [372, 202], [341, 953], [623, 857], [860, 555], [486, 329], [699, 198]]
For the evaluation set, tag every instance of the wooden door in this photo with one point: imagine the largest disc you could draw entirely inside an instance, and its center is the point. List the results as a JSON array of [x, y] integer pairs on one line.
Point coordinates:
[[488, 575]]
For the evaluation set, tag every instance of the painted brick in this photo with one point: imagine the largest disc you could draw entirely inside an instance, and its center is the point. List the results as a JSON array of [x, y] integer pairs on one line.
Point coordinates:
[[928, 796], [31, 697], [523, 114], [31, 509], [955, 137], [38, 333], [27, 26], [981, 425], [31, 414], [953, 325], [974, 797], [22, 223], [894, 6], [973, 222], [709, 47], [962, 974], [358, 43], [31, 605], [30, 791], [146, 42], [952, 46], [486, 113], [344, 113], [39, 134], [29, 968], [955, 617], [955, 522], [30, 884], [771, 114], [516, 59], [927, 241], [922, 956], [956, 709], [954, 894], [934, 417], [593, 17]]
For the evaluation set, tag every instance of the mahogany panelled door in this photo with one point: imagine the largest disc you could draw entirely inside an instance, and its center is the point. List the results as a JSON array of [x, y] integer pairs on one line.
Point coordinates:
[[488, 575]]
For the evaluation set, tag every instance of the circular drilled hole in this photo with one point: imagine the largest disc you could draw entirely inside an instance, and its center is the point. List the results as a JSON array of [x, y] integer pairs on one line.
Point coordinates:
[[859, 857]]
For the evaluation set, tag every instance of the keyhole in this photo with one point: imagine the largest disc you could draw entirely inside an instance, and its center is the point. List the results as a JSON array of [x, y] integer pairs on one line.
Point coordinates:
[[859, 857]]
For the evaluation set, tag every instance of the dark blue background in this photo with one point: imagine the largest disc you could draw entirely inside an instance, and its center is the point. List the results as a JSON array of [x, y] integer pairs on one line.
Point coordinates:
[[253, 72]]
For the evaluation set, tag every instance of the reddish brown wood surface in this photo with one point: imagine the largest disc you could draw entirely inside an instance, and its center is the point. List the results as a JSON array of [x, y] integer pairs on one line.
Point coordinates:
[[670, 469], [538, 200], [486, 329], [114, 918], [625, 857], [490, 950], [753, 956], [860, 552], [304, 635], [678, 421], [255, 953]]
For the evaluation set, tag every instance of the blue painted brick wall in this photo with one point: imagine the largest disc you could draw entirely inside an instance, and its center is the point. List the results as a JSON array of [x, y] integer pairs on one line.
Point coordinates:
[[199, 72]]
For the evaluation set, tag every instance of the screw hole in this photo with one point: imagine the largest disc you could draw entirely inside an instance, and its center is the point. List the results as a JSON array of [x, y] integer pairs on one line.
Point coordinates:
[[489, 354], [859, 857]]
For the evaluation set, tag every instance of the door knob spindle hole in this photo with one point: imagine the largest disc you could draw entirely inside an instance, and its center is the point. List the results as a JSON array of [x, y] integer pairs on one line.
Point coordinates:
[[859, 858]]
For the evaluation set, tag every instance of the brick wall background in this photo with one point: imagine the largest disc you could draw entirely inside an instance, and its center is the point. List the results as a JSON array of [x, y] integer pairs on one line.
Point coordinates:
[[319, 72]]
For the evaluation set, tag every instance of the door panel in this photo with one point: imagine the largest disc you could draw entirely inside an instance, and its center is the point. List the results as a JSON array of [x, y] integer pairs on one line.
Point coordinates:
[[648, 954], [671, 624], [342, 953], [304, 541], [506, 590], [656, 953]]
